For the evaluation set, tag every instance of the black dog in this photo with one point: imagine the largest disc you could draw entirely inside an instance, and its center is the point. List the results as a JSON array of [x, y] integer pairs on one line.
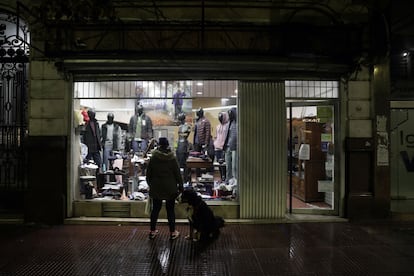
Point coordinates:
[[204, 225]]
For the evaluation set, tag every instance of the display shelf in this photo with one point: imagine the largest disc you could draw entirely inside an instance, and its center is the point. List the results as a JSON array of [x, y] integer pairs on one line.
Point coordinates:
[[308, 172]]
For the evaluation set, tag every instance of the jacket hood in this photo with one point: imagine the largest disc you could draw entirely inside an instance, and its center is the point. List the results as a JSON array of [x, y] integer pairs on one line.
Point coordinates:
[[163, 155], [225, 117], [232, 114]]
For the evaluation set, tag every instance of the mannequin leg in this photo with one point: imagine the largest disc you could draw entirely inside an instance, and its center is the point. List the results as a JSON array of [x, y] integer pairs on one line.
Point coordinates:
[[234, 163], [229, 166]]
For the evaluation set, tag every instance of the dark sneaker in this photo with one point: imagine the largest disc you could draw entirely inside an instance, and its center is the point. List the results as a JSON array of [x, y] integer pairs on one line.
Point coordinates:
[[174, 235], [153, 234]]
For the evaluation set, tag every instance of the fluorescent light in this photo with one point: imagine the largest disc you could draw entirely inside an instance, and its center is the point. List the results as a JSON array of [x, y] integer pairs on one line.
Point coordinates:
[[199, 83], [199, 93]]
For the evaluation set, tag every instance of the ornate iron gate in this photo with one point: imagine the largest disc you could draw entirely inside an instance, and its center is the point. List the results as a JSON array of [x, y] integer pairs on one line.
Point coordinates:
[[14, 51]]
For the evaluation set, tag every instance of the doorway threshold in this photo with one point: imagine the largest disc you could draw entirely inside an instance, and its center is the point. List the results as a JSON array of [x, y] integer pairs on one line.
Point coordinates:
[[294, 218], [289, 218]]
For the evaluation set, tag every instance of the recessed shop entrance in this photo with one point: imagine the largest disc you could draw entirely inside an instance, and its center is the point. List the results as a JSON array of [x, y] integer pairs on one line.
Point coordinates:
[[312, 156]]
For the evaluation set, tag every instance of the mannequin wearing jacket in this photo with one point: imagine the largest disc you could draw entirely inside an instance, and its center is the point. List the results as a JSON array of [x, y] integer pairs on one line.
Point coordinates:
[[202, 135], [202, 131], [140, 129], [111, 138], [183, 147], [92, 139], [231, 146], [221, 134], [182, 151]]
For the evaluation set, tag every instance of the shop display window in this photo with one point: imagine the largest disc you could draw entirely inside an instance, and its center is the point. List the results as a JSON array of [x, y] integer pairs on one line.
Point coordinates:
[[118, 123]]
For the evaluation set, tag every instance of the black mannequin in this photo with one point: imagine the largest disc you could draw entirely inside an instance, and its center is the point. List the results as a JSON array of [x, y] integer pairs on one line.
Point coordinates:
[[183, 147], [184, 129], [140, 109], [92, 138], [200, 113], [110, 118], [111, 138], [202, 132], [231, 146], [140, 140], [221, 117]]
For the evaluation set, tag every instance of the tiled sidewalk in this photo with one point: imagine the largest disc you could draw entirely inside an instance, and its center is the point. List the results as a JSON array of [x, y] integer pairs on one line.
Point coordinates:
[[313, 248]]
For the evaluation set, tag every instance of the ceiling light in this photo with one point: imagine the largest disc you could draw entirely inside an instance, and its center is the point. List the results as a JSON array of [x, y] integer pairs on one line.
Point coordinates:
[[405, 53], [199, 83], [199, 93]]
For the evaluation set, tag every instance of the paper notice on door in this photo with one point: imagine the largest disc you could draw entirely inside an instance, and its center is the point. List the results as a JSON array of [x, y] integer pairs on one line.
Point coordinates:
[[382, 149], [325, 186], [304, 152]]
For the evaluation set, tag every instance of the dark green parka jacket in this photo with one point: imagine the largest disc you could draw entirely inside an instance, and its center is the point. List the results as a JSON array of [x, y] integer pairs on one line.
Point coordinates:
[[163, 175]]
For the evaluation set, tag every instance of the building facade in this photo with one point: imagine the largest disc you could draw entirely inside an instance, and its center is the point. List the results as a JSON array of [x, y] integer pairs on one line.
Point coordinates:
[[267, 48]]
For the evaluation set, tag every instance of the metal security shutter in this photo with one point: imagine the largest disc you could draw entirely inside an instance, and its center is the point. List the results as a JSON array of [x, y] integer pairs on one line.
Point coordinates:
[[262, 147]]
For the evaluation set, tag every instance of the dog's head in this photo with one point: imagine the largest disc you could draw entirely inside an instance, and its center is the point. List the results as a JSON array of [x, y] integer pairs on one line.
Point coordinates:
[[191, 197]]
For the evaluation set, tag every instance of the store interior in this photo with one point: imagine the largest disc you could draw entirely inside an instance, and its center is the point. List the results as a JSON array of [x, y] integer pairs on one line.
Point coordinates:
[[177, 110], [310, 157], [117, 171]]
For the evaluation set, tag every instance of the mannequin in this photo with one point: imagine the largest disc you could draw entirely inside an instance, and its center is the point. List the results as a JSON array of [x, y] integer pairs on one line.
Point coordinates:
[[231, 145], [111, 138], [140, 129], [183, 147], [92, 139], [202, 132], [221, 134]]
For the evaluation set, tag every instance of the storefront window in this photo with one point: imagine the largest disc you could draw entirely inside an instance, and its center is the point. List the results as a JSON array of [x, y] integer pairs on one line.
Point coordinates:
[[118, 124]]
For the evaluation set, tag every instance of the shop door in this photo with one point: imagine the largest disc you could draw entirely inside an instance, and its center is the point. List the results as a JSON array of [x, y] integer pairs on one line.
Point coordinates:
[[311, 157]]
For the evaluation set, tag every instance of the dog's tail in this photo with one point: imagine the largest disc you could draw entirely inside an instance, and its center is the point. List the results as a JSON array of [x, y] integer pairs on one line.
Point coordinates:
[[219, 221]]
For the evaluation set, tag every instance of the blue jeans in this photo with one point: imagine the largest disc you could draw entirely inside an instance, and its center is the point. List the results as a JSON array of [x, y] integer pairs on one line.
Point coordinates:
[[106, 153], [136, 147], [231, 164]]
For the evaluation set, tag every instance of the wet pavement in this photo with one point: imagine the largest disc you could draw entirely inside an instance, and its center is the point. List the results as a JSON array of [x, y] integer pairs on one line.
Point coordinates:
[[311, 248]]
